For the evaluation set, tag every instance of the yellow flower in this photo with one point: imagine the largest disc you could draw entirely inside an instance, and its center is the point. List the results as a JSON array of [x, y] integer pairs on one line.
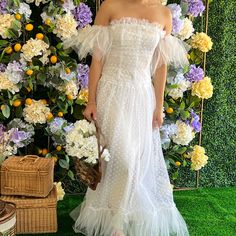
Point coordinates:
[[198, 157], [6, 22], [201, 41], [83, 95], [60, 191], [203, 88]]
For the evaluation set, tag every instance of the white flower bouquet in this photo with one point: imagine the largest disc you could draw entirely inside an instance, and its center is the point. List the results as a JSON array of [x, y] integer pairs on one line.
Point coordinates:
[[83, 143]]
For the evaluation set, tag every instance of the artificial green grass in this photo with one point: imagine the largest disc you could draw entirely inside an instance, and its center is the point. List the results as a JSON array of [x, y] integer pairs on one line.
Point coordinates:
[[208, 212]]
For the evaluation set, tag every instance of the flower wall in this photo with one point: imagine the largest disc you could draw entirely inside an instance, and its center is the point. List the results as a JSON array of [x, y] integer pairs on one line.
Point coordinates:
[[44, 88]]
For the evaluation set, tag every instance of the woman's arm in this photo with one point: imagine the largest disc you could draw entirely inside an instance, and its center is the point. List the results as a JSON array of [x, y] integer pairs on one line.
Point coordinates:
[[102, 18], [159, 79]]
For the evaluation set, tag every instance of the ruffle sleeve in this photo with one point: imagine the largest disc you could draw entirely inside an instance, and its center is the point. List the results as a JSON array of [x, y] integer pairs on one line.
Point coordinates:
[[170, 51], [93, 40]]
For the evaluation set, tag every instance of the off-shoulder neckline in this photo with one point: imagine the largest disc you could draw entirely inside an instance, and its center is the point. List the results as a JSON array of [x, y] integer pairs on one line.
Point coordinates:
[[135, 20]]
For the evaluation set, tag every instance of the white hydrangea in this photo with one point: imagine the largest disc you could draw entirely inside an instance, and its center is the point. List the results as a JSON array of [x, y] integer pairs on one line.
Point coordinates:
[[60, 191], [14, 72], [24, 9], [34, 47], [164, 2], [187, 30], [69, 88], [45, 17], [65, 26], [37, 2], [37, 112], [81, 142], [6, 22], [184, 133], [182, 85], [44, 59], [7, 84], [167, 131], [68, 5]]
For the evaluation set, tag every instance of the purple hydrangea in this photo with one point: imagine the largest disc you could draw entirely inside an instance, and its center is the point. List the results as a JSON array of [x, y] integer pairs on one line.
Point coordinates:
[[83, 75], [178, 25], [56, 125], [19, 136], [68, 128], [2, 67], [195, 7], [3, 6], [195, 122], [15, 72], [83, 15], [175, 10], [195, 74]]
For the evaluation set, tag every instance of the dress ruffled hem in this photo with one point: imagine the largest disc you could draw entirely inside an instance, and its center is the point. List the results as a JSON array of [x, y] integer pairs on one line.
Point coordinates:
[[105, 221]]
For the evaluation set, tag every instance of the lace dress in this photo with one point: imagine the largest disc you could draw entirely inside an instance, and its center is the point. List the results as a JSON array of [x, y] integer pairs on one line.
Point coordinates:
[[135, 195]]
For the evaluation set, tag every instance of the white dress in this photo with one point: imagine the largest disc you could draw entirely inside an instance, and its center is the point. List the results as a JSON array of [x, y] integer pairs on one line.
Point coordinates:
[[135, 194]]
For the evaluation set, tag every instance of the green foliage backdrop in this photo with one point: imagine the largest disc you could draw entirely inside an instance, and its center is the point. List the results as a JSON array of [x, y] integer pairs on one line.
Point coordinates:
[[219, 128]]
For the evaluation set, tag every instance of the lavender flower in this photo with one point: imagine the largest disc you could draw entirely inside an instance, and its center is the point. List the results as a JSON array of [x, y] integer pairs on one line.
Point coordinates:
[[68, 128], [3, 6], [2, 67], [56, 125], [195, 74], [195, 122], [18, 137], [83, 15], [83, 75], [195, 7], [15, 72], [178, 25], [175, 10]]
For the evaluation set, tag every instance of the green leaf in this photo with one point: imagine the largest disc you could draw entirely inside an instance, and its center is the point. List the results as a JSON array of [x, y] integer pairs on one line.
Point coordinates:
[[182, 105], [175, 175], [71, 175], [3, 43], [185, 115], [182, 150], [184, 163], [6, 111], [64, 164]]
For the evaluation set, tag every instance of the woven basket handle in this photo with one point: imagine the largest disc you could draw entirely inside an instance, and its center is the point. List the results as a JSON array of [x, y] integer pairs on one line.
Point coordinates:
[[98, 135], [34, 158]]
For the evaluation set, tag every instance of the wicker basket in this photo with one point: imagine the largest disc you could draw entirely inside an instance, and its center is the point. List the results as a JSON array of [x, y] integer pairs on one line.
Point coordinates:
[[7, 219], [35, 215], [27, 176]]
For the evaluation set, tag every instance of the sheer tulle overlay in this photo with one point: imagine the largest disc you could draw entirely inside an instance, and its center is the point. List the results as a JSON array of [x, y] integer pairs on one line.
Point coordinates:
[[135, 195]]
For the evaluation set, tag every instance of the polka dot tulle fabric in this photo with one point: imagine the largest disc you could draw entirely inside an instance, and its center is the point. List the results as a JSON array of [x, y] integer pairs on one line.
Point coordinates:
[[135, 197]]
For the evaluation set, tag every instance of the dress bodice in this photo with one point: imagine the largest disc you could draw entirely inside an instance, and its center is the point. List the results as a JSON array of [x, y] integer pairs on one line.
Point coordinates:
[[133, 43], [130, 48]]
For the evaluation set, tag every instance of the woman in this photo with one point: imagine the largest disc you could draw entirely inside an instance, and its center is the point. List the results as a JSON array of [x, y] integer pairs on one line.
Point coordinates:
[[131, 47]]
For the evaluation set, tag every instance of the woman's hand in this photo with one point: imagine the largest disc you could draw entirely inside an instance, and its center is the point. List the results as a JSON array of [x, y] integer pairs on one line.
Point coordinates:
[[90, 112], [157, 119]]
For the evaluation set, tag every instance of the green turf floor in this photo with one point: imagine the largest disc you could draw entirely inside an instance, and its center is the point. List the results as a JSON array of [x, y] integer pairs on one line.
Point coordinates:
[[208, 212]]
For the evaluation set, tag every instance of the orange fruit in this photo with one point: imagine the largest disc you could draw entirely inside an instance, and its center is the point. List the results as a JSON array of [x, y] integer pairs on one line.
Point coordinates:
[[177, 163], [53, 59], [39, 36], [2, 106], [44, 101], [169, 110], [58, 148], [17, 47], [70, 97], [55, 159], [44, 151], [18, 16], [49, 116], [60, 114], [29, 72], [28, 101], [29, 27], [17, 103], [9, 50], [48, 21], [67, 70]]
